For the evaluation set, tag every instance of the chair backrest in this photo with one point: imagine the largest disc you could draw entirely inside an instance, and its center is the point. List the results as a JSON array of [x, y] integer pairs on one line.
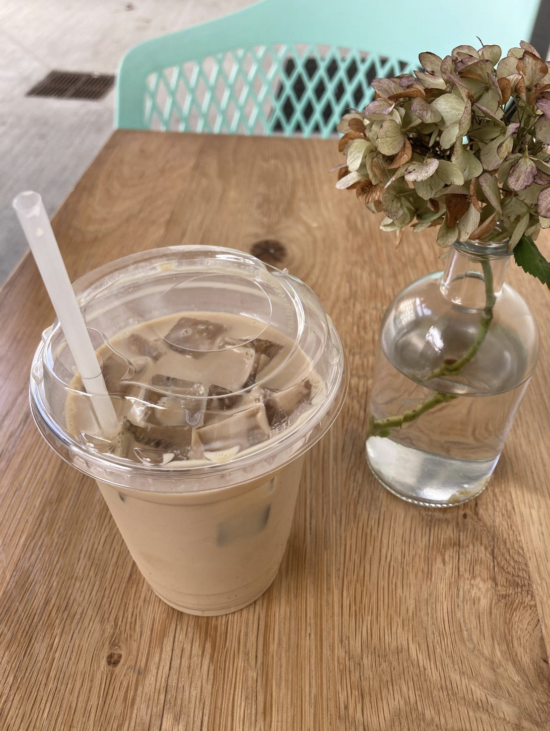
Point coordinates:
[[295, 66]]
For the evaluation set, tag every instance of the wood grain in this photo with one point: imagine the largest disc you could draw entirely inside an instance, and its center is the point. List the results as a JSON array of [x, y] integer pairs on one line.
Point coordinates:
[[384, 616]]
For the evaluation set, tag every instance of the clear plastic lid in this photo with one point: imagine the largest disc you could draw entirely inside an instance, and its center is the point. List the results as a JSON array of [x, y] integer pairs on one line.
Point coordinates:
[[221, 369]]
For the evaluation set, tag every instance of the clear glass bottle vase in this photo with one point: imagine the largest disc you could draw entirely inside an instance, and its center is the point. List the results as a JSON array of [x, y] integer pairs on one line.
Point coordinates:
[[457, 351]]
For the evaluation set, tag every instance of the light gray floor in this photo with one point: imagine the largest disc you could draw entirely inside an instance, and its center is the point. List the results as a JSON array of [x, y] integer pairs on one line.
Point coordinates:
[[47, 144]]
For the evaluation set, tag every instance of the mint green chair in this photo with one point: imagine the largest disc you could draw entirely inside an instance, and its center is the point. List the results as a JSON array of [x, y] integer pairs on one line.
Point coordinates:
[[295, 66]]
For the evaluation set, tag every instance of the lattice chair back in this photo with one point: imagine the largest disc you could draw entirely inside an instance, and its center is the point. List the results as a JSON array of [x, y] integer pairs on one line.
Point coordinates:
[[294, 66]]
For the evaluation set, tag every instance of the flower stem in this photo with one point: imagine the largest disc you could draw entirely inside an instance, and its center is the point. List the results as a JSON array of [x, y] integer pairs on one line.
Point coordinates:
[[383, 427], [486, 319]]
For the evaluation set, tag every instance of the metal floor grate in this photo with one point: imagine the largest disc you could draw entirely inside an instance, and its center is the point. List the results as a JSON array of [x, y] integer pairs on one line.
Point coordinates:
[[71, 85]]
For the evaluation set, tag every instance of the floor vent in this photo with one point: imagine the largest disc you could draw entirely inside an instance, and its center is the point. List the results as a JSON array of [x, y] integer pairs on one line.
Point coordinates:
[[70, 85]]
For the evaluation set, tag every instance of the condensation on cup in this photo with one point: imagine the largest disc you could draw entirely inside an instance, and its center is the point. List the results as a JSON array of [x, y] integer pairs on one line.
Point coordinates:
[[223, 372]]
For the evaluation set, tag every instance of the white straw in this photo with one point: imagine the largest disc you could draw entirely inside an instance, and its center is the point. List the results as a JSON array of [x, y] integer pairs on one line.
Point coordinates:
[[36, 225]]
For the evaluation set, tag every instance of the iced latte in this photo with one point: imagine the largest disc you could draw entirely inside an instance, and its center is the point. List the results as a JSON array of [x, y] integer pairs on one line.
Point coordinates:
[[216, 408]]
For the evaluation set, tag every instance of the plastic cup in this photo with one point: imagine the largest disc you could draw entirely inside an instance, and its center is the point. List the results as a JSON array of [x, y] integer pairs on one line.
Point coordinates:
[[208, 536]]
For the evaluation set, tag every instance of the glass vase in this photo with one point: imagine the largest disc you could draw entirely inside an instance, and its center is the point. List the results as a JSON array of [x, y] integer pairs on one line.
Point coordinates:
[[457, 351]]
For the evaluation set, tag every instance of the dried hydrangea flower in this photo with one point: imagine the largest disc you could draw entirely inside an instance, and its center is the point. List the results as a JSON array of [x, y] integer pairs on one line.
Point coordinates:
[[462, 145]]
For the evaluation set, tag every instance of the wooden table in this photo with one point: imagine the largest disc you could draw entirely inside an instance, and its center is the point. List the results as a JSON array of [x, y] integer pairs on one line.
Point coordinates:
[[384, 615]]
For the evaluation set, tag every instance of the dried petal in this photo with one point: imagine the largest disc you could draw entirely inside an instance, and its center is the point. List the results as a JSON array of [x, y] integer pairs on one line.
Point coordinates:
[[490, 158], [390, 138], [449, 173], [356, 153], [505, 147], [422, 170], [430, 187], [537, 91], [456, 206], [485, 228], [468, 223], [386, 87], [447, 235], [542, 178], [489, 186], [532, 68], [403, 156], [507, 66], [429, 81], [368, 193], [522, 174], [473, 197], [492, 53], [465, 50], [347, 138], [543, 202], [343, 125], [392, 204], [378, 106], [349, 180], [514, 208], [431, 62], [426, 112], [450, 107], [542, 129], [488, 113], [343, 171], [528, 47], [466, 161], [479, 70], [356, 125], [505, 89], [504, 169], [408, 93]]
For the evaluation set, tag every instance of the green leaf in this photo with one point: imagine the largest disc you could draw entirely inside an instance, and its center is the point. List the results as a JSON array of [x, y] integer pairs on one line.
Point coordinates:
[[519, 230], [529, 258]]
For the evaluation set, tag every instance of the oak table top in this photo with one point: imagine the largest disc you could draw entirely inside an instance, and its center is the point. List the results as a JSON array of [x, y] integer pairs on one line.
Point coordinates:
[[384, 616]]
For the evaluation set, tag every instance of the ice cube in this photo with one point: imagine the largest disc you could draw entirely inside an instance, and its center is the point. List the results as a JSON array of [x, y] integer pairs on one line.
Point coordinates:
[[242, 429], [194, 337], [185, 406], [225, 399], [153, 457], [115, 368], [144, 346], [280, 405], [264, 352], [169, 439]]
